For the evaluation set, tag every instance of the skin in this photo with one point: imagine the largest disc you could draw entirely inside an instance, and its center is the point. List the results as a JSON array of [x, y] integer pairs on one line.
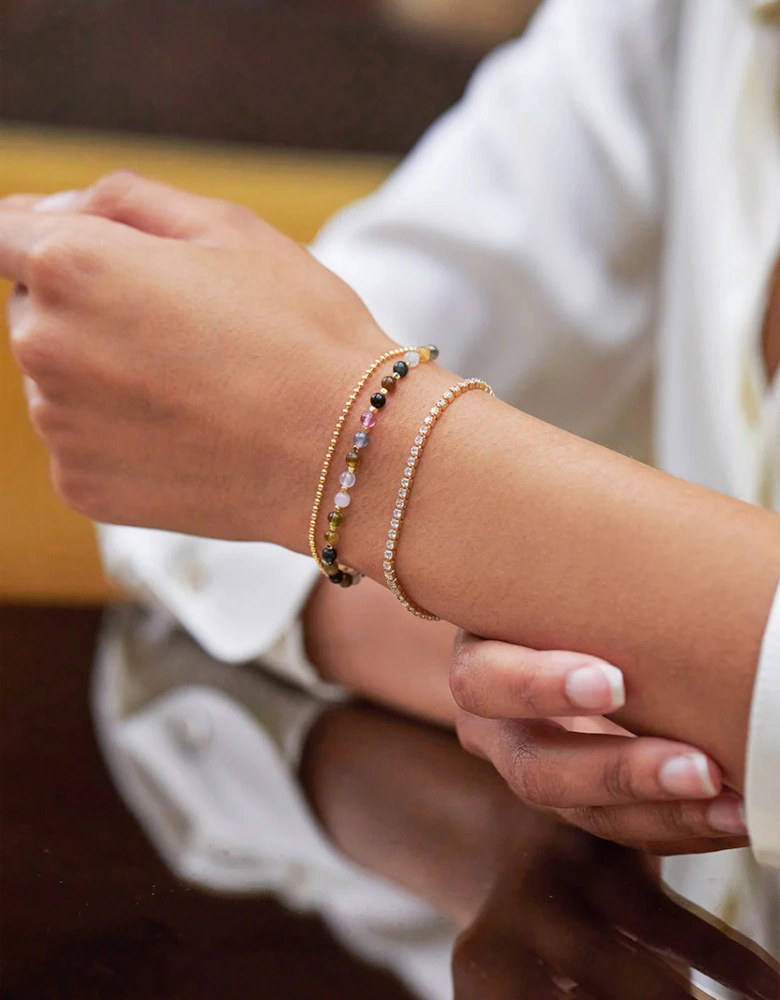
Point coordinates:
[[174, 365], [541, 905]]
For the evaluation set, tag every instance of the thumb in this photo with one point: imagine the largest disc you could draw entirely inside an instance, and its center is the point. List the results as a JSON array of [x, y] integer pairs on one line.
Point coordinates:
[[148, 205]]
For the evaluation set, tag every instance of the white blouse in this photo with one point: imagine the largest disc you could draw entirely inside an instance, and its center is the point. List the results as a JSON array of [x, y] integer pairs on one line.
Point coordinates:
[[601, 210]]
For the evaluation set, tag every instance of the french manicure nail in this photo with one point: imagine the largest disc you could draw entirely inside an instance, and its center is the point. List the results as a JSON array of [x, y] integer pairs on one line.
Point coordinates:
[[62, 201], [598, 686], [727, 816], [687, 776]]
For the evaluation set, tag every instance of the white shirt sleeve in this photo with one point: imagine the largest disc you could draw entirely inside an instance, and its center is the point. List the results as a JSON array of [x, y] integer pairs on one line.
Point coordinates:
[[762, 786], [522, 236]]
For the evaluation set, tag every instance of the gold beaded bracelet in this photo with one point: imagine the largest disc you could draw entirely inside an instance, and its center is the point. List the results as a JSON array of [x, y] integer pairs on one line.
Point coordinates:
[[327, 559], [405, 490]]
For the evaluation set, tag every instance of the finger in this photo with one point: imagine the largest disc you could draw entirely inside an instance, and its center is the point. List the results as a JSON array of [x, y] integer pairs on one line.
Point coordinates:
[[498, 680], [658, 822], [630, 899], [151, 206], [23, 202], [547, 765], [578, 942], [22, 234]]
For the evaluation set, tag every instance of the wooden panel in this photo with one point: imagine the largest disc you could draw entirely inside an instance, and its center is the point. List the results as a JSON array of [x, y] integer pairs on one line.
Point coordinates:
[[47, 552]]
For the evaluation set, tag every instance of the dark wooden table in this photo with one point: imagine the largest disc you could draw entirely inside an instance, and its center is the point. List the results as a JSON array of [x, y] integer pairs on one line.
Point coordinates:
[[87, 910]]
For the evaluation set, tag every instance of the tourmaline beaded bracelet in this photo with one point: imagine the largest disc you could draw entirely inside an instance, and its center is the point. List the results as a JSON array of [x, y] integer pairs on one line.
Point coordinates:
[[327, 560], [405, 490]]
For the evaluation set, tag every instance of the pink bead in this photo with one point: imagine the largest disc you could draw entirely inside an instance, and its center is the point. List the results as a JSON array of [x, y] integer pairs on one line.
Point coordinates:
[[343, 500], [368, 419], [347, 479]]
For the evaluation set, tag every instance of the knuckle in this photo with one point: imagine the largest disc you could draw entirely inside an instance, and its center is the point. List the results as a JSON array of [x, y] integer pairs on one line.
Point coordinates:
[[620, 778], [237, 216], [78, 490], [111, 192], [680, 819], [36, 352], [60, 260], [467, 666], [601, 821], [523, 769]]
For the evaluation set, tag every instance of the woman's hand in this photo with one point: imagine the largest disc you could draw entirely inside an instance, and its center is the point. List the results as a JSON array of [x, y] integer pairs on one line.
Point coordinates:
[[178, 354], [662, 796]]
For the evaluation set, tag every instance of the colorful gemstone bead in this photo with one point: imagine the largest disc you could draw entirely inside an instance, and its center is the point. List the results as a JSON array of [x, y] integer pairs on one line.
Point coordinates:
[[336, 577], [412, 358], [361, 439], [335, 518], [353, 459], [434, 351], [342, 499], [329, 555], [331, 568], [331, 537], [378, 400], [425, 354], [401, 368], [347, 480], [368, 419], [346, 580], [388, 382]]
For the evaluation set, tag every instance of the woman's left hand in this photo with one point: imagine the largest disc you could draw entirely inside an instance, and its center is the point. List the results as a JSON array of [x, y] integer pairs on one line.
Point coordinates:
[[522, 709], [177, 352]]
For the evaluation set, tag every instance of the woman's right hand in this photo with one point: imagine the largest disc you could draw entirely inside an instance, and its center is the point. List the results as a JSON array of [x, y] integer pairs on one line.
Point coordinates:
[[179, 356], [539, 718]]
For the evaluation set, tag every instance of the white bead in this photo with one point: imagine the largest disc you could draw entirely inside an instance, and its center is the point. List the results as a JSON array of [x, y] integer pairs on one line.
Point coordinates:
[[343, 499], [412, 358], [347, 479]]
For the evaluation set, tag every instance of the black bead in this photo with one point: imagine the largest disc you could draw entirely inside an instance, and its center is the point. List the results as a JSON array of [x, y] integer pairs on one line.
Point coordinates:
[[378, 400], [401, 368], [337, 577], [329, 555]]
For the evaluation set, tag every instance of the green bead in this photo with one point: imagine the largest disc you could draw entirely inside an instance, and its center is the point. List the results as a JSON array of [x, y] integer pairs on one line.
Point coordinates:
[[331, 569], [335, 518], [331, 537]]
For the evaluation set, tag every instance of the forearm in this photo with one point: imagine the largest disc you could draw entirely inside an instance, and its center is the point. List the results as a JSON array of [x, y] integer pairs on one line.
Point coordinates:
[[385, 789], [375, 648], [518, 531]]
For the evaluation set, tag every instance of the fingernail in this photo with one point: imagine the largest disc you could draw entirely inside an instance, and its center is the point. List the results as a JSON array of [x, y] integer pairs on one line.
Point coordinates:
[[63, 201], [727, 816], [597, 686], [687, 776]]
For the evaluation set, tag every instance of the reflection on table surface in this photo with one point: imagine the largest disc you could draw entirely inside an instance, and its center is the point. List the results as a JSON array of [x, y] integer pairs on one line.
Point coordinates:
[[309, 848]]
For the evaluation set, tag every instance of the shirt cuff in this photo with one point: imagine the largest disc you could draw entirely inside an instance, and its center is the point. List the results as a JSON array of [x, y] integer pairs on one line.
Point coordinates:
[[762, 786], [240, 600]]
